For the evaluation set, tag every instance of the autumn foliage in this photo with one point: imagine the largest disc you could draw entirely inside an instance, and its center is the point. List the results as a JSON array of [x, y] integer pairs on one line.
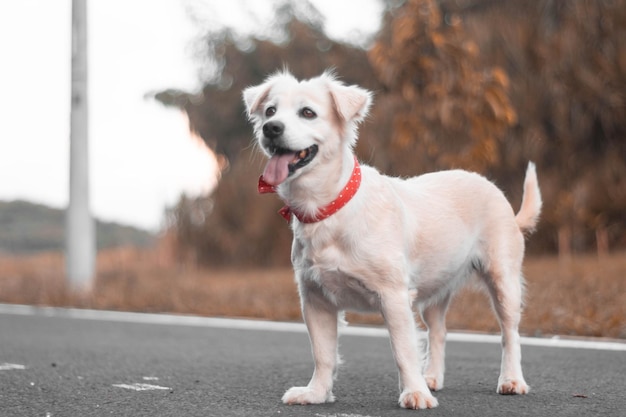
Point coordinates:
[[583, 297], [448, 109], [476, 84]]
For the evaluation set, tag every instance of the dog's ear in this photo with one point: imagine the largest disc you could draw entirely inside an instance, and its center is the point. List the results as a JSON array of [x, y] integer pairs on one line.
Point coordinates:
[[352, 103], [253, 97]]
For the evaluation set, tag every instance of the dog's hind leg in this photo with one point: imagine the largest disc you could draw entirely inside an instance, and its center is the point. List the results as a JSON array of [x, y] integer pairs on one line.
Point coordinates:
[[321, 320], [505, 287], [434, 316]]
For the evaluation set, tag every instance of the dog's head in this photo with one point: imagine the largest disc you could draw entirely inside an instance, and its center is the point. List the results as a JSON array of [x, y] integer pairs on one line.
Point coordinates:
[[299, 124]]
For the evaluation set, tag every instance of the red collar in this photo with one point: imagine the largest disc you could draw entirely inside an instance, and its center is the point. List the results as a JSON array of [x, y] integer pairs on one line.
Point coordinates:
[[344, 196]]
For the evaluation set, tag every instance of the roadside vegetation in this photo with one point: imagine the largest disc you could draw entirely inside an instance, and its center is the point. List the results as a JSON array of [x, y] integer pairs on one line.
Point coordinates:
[[580, 296]]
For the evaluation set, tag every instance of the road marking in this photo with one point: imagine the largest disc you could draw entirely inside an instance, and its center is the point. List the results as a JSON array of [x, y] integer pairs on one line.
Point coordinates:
[[141, 387], [150, 378], [261, 325], [10, 366], [340, 415]]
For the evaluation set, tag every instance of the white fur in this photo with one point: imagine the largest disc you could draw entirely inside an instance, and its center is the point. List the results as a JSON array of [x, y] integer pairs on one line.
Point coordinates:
[[396, 244]]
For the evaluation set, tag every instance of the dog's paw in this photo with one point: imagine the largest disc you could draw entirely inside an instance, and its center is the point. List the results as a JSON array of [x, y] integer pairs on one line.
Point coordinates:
[[513, 387], [416, 400], [435, 383], [306, 395]]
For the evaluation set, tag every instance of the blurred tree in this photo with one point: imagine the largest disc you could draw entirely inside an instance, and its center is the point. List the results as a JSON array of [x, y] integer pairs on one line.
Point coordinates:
[[448, 108], [567, 63]]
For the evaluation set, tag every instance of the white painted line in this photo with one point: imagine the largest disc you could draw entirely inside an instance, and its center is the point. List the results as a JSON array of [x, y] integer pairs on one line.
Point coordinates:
[[261, 325], [150, 318], [150, 378], [10, 366], [141, 387], [340, 415], [555, 341]]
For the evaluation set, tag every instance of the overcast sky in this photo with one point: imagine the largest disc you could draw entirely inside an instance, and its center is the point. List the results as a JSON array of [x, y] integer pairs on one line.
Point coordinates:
[[142, 156]]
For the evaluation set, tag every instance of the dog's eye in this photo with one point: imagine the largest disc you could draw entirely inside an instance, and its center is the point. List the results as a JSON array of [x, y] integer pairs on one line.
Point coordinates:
[[307, 113], [270, 111]]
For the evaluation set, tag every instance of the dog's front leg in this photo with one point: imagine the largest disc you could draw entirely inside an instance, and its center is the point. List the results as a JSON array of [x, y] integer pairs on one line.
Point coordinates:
[[435, 318], [396, 309], [321, 320]]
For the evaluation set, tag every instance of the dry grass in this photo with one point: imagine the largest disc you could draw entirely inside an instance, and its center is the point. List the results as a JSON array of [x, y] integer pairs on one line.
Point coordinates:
[[583, 296]]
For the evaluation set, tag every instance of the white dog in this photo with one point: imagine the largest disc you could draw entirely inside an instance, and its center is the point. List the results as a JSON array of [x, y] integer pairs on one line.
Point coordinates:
[[365, 241]]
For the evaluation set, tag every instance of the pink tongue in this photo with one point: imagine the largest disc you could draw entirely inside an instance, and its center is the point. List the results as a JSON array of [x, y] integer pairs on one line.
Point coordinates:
[[277, 169]]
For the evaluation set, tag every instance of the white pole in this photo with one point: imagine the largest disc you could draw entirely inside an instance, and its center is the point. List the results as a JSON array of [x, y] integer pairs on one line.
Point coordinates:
[[80, 234]]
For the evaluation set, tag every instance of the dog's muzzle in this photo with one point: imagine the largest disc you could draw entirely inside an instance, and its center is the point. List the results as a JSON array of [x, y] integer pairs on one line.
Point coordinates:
[[283, 162]]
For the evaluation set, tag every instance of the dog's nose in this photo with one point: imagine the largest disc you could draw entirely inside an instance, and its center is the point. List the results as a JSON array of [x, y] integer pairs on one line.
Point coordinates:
[[272, 130]]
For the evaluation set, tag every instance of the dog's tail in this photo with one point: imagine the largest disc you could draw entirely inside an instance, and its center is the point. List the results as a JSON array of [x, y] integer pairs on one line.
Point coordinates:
[[528, 214]]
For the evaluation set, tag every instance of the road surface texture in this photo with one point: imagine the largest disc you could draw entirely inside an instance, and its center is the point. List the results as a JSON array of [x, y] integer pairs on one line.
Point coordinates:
[[56, 362]]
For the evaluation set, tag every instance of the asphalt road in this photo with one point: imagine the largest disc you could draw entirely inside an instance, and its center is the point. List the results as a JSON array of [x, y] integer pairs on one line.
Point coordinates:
[[61, 363]]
